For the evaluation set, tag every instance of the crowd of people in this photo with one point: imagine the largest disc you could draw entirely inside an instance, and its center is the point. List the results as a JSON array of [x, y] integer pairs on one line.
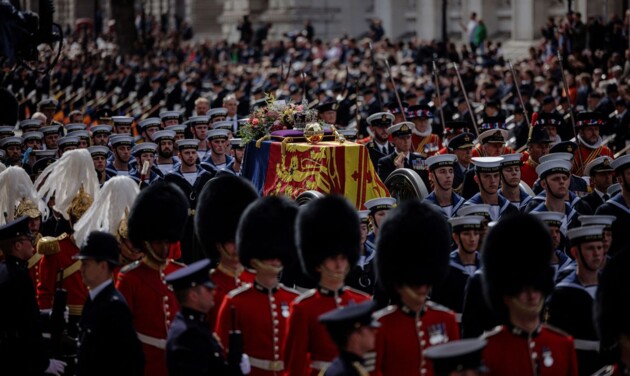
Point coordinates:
[[127, 208]]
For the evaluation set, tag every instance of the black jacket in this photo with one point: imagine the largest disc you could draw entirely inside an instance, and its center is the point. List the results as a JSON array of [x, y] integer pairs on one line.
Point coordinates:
[[108, 344], [415, 162], [191, 348], [346, 364], [621, 236]]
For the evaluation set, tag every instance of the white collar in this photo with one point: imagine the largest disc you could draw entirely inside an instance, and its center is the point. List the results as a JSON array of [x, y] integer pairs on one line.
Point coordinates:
[[95, 291], [423, 134], [588, 145]]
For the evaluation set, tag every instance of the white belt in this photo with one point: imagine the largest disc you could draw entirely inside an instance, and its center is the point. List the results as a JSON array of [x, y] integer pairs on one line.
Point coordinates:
[[320, 365], [582, 344], [267, 365], [152, 341]]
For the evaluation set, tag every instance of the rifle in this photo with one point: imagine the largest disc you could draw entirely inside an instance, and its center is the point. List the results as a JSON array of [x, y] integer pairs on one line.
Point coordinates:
[[235, 350], [470, 109], [566, 91], [439, 95]]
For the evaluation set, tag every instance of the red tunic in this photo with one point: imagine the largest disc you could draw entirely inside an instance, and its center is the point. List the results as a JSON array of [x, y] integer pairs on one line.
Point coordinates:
[[478, 152], [547, 351], [226, 282], [426, 146], [307, 340], [49, 267], [261, 316], [588, 155], [405, 334], [153, 307], [528, 172]]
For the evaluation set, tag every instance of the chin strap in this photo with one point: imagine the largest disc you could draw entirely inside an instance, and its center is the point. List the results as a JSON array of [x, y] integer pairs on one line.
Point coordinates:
[[262, 267]]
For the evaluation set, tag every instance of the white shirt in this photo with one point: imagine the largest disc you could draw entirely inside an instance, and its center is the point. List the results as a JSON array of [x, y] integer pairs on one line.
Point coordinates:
[[165, 167], [95, 291], [190, 177]]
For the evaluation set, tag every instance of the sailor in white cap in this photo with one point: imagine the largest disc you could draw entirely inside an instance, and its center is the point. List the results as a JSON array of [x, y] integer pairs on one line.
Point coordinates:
[[378, 208], [218, 159], [560, 261], [511, 181], [619, 206], [554, 178], [442, 175]]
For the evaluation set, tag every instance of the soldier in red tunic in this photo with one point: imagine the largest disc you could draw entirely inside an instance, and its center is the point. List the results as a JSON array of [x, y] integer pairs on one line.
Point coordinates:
[[221, 203], [538, 144], [329, 238], [152, 304], [423, 140], [516, 281], [590, 142], [412, 323], [265, 242]]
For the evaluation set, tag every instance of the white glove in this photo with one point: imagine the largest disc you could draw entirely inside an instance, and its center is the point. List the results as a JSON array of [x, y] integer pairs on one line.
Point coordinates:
[[246, 368], [55, 367]]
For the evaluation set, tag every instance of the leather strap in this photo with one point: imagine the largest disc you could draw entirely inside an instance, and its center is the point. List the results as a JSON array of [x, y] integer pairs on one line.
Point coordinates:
[[70, 270]]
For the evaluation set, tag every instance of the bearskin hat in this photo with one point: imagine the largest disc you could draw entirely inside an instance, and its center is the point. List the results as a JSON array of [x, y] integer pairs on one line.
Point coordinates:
[[611, 309], [398, 262], [265, 230], [509, 266], [326, 227], [159, 213], [221, 203]]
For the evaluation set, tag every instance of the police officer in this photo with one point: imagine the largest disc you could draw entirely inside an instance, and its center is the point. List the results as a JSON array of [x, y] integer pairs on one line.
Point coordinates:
[[106, 328], [353, 329], [22, 349], [191, 347]]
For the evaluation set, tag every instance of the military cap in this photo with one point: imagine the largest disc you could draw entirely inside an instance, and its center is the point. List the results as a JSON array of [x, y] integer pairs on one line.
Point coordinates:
[[493, 129], [553, 166], [442, 160], [585, 234], [98, 150], [151, 122], [513, 159], [177, 128], [342, 322], [487, 164], [101, 129], [476, 209], [47, 104], [217, 134], [40, 165], [348, 134], [49, 130], [163, 135], [395, 265], [456, 356], [419, 111], [468, 222], [81, 134], [100, 246], [217, 112], [585, 119], [145, 147], [381, 119], [461, 141], [564, 147], [228, 195], [597, 220], [152, 207], [104, 114], [44, 153], [193, 275], [67, 141], [335, 217], [548, 100], [32, 136], [224, 124], [121, 140], [266, 231], [613, 189], [261, 103], [455, 126], [198, 120], [538, 135], [556, 156], [328, 105], [394, 108], [187, 144], [621, 102], [12, 230], [367, 91], [548, 119], [621, 163], [75, 127], [170, 115], [237, 143], [364, 216], [599, 164], [400, 129], [10, 141], [380, 203], [518, 110], [30, 125], [529, 260], [550, 218], [7, 130], [122, 120]]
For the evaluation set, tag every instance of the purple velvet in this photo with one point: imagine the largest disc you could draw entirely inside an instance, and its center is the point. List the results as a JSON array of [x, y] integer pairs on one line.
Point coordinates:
[[293, 133]]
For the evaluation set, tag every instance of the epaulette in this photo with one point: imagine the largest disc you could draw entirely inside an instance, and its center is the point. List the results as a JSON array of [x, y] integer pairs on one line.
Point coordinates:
[[129, 267], [289, 289], [181, 264], [384, 312], [306, 295], [371, 144], [239, 290], [358, 292], [438, 307], [605, 371], [557, 330], [48, 245], [492, 332], [62, 236]]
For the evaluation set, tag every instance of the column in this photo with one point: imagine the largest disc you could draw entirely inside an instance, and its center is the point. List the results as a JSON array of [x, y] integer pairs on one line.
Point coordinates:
[[393, 16], [528, 17], [429, 19]]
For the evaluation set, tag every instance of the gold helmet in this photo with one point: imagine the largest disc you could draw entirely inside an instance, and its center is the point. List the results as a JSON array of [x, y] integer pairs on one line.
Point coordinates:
[[27, 208], [80, 204]]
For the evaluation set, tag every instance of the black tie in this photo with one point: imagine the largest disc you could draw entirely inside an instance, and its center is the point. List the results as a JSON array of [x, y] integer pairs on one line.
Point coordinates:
[[605, 197], [384, 149]]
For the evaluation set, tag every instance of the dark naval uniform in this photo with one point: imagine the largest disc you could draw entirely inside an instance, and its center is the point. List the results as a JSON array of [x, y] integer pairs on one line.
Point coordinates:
[[376, 152], [621, 236], [476, 315], [415, 162], [450, 292], [504, 207], [570, 308], [347, 364], [192, 349], [448, 211]]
